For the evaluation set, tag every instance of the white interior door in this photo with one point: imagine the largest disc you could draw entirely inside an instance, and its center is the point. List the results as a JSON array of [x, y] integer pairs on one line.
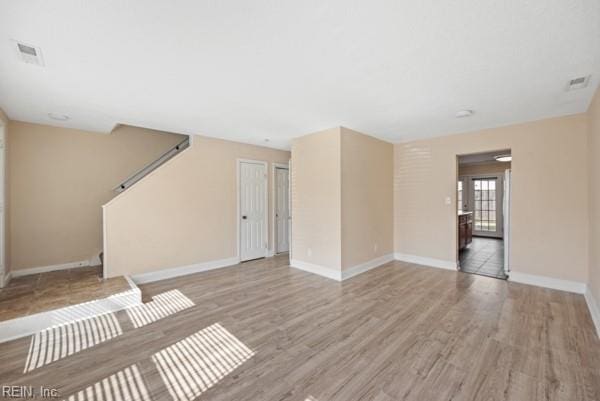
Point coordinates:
[[506, 207], [282, 210], [253, 210]]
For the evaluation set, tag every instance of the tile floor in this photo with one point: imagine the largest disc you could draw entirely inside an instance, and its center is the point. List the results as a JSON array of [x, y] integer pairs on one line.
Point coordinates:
[[37, 293], [484, 256]]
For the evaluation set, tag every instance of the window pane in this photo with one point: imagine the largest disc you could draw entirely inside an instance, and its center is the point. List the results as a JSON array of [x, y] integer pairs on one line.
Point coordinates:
[[492, 184], [477, 205], [492, 205], [477, 215], [492, 226], [484, 225], [484, 185], [492, 194], [477, 185], [484, 195], [478, 226], [484, 215], [477, 195], [460, 185]]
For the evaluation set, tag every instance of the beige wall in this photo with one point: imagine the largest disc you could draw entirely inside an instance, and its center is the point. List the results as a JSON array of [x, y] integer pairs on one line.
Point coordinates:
[[549, 199], [342, 198], [316, 199], [487, 168], [59, 179], [594, 199], [4, 121], [184, 212], [367, 198]]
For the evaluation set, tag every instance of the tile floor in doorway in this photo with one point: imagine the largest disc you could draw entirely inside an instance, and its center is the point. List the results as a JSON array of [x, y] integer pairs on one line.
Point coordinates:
[[484, 256]]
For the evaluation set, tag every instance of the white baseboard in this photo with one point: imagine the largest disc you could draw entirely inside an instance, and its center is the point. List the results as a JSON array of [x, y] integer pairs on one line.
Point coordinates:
[[548, 282], [45, 269], [4, 279], [270, 252], [364, 267], [333, 274], [184, 270], [421, 260], [27, 325], [95, 260], [338, 275], [594, 308]]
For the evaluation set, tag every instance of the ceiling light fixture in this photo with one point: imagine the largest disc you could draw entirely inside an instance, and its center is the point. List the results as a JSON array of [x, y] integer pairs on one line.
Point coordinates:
[[58, 116], [503, 158], [464, 113]]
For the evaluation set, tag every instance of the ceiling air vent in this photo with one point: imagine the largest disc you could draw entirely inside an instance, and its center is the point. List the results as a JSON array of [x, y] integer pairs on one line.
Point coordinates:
[[578, 83], [29, 54]]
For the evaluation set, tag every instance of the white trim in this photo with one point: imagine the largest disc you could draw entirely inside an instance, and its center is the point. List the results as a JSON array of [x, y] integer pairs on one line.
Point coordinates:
[[548, 282], [431, 262], [184, 270], [45, 269], [594, 308], [340, 275], [333, 274], [104, 243], [364, 267], [274, 167], [27, 325], [239, 220], [95, 260], [5, 279]]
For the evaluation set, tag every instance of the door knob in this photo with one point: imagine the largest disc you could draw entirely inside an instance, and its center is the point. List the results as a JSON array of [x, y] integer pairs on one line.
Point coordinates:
[[244, 217]]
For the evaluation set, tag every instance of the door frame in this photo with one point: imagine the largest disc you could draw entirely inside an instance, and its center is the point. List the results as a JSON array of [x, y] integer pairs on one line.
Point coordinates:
[[499, 196], [274, 167], [238, 165], [453, 197]]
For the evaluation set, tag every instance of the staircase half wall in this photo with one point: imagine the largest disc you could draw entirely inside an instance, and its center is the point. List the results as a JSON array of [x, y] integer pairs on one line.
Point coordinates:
[[184, 213]]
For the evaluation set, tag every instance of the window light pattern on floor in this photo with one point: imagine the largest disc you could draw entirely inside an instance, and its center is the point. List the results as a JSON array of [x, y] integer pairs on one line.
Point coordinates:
[[66, 339], [196, 363], [125, 385], [161, 306]]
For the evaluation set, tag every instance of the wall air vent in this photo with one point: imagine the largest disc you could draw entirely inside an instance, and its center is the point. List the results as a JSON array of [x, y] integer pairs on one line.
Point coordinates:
[[29, 54], [578, 83]]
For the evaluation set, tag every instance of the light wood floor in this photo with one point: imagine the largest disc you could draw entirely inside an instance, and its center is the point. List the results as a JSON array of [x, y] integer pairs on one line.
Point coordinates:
[[28, 295], [264, 331]]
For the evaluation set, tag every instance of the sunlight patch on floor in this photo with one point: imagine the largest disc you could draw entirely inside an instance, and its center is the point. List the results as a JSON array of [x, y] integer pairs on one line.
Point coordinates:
[[196, 363], [66, 339], [125, 385], [161, 306]]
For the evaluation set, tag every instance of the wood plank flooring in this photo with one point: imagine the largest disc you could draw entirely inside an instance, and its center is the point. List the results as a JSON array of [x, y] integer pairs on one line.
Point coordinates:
[[28, 295], [264, 331]]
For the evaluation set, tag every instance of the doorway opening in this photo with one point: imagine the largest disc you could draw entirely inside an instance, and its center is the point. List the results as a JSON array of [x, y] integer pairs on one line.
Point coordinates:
[[483, 213]]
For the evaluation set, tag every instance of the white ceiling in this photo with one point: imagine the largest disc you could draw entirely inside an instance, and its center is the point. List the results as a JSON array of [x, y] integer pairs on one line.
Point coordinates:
[[250, 70]]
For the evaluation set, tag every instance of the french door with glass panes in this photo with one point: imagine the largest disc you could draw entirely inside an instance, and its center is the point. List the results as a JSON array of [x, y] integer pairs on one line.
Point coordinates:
[[482, 195]]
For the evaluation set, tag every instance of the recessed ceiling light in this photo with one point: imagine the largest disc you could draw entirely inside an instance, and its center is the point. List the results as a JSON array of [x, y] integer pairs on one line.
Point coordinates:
[[464, 113], [503, 158], [58, 116], [266, 139]]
